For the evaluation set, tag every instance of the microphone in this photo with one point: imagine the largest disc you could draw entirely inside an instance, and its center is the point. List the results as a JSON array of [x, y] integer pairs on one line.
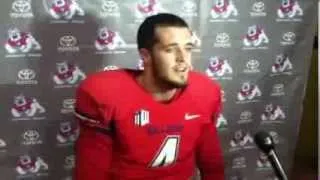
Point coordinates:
[[265, 142]]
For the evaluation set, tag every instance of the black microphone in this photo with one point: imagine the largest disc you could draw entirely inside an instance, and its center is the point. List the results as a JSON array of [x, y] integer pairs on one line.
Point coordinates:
[[265, 142]]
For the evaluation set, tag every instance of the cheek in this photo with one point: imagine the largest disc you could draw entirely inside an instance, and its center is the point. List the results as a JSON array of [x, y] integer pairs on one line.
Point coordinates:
[[188, 58], [165, 60]]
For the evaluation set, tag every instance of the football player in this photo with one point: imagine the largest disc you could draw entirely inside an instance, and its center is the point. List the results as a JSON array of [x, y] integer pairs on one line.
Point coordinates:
[[157, 123]]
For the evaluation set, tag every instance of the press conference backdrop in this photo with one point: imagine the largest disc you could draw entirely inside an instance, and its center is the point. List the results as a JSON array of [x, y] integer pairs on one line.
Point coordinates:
[[258, 50]]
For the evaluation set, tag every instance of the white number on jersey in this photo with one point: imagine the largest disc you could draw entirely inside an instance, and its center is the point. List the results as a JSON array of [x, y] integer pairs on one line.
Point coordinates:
[[168, 152]]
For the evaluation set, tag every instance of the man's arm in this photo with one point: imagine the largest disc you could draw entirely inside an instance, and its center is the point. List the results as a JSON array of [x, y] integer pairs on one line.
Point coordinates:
[[209, 155], [209, 152], [93, 148]]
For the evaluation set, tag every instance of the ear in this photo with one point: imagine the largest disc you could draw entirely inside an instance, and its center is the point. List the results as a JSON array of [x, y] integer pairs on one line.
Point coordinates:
[[145, 56]]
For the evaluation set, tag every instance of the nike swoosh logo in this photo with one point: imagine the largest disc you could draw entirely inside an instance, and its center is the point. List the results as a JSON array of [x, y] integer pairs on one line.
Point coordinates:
[[190, 117]]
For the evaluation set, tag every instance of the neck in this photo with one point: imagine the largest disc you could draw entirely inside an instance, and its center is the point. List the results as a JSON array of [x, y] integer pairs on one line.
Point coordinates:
[[159, 91]]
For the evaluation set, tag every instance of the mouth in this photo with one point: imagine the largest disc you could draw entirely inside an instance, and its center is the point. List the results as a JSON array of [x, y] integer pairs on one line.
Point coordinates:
[[181, 69]]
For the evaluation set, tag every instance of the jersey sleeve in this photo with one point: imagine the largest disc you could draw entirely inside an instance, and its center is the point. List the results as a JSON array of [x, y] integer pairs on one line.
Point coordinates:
[[93, 148], [209, 153]]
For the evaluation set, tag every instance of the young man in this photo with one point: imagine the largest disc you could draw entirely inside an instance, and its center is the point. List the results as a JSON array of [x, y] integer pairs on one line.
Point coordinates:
[[155, 124]]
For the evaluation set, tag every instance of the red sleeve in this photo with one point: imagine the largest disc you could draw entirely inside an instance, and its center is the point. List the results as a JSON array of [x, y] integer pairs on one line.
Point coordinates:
[[209, 153], [93, 148]]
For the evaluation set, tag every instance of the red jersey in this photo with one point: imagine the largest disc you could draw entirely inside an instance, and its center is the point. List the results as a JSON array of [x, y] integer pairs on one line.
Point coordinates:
[[126, 134]]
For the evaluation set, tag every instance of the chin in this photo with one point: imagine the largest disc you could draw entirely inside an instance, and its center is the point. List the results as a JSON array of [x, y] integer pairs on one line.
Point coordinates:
[[182, 85], [179, 83], [174, 81]]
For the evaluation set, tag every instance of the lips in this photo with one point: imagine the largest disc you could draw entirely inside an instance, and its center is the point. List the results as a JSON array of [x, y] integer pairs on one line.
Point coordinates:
[[181, 68]]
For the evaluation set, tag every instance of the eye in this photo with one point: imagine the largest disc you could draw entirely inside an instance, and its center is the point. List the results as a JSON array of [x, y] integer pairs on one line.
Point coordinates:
[[169, 50], [189, 48]]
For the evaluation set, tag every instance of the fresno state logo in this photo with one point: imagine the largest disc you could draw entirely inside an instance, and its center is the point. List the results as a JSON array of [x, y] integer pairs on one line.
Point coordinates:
[[272, 113], [24, 106], [67, 74], [263, 161], [67, 133], [248, 91], [108, 39], [19, 41], [218, 67], [30, 165], [289, 9], [241, 138], [223, 9], [282, 64], [255, 36], [146, 8], [65, 9]]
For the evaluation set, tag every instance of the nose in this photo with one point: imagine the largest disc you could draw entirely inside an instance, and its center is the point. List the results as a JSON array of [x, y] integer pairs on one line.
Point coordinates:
[[181, 56], [180, 59]]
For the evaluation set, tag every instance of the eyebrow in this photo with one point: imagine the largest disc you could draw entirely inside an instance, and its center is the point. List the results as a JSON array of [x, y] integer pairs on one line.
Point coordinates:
[[175, 44]]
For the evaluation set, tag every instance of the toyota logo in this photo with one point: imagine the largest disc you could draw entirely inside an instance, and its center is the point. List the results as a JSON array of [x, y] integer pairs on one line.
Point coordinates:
[[21, 6], [189, 7], [26, 74], [253, 64], [245, 115], [289, 36], [69, 103], [222, 38], [110, 6], [258, 7], [31, 135], [278, 88], [68, 41], [239, 161]]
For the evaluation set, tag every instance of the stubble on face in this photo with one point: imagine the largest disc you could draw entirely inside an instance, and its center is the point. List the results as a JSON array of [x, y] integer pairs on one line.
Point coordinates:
[[171, 57]]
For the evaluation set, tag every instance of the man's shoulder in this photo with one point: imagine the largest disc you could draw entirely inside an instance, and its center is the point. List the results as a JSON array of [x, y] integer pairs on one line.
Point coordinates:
[[106, 80], [202, 82], [206, 92]]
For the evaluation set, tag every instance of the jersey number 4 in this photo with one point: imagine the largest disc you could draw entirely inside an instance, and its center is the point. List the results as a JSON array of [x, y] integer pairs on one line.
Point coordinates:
[[167, 153]]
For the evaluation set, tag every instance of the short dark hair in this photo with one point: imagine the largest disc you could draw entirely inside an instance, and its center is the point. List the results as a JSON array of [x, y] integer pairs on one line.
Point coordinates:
[[146, 37]]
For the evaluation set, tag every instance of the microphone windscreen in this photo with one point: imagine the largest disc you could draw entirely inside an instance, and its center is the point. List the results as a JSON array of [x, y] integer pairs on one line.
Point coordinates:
[[264, 141]]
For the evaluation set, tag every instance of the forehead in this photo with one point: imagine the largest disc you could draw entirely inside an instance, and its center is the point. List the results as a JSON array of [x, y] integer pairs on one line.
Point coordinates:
[[172, 34]]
